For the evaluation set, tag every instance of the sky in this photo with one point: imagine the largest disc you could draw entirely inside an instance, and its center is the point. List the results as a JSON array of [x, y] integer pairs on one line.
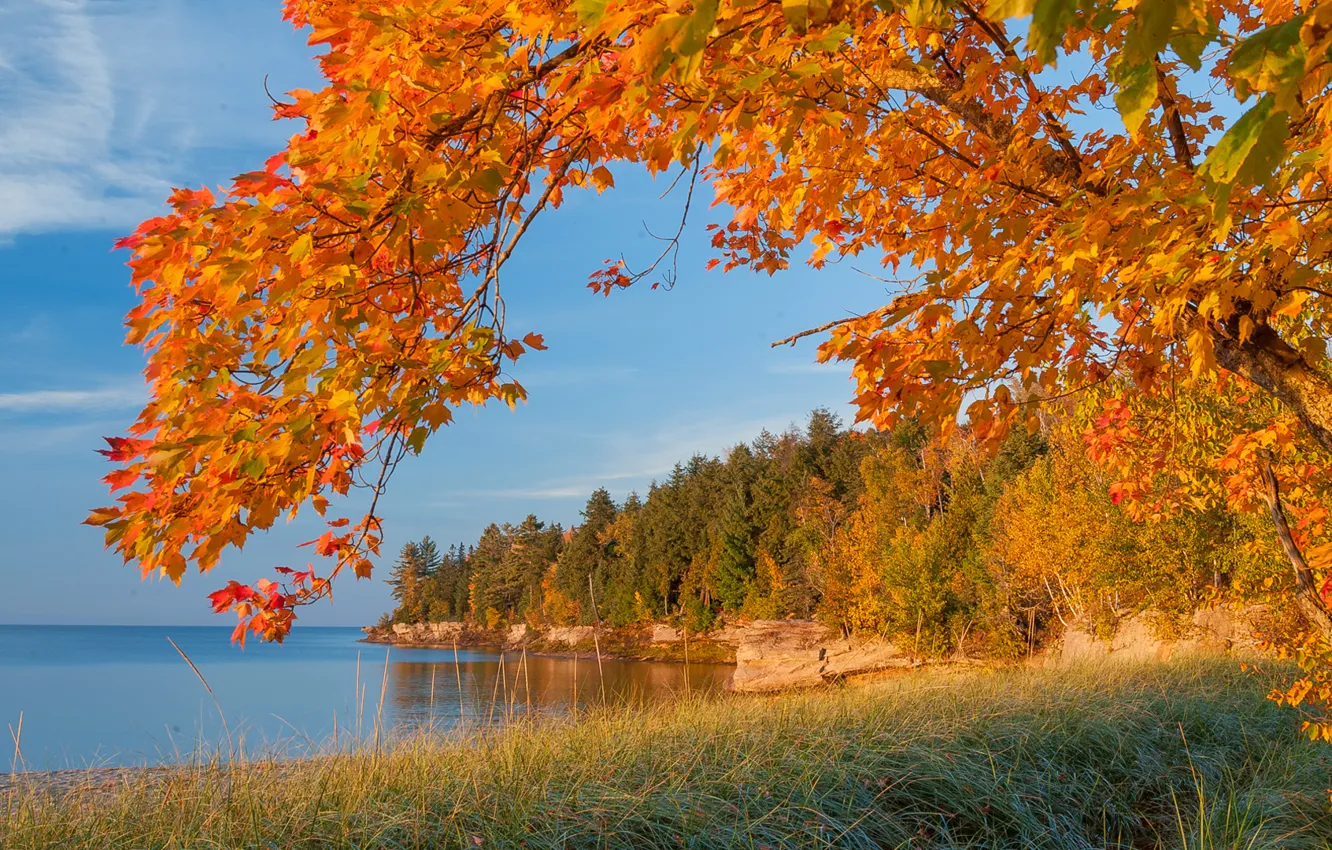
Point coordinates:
[[107, 104]]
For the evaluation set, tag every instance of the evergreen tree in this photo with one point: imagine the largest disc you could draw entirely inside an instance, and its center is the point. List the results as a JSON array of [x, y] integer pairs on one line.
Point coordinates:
[[734, 570], [588, 557], [406, 582]]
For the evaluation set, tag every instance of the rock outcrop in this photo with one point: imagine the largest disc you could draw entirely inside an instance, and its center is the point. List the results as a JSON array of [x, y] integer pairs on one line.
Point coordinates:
[[774, 655], [1210, 631], [661, 633], [427, 632], [517, 635], [568, 635]]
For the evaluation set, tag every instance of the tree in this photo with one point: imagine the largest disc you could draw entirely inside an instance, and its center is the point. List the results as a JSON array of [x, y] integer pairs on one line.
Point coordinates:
[[629, 597], [488, 589], [734, 534], [536, 547], [589, 555], [318, 321], [407, 579]]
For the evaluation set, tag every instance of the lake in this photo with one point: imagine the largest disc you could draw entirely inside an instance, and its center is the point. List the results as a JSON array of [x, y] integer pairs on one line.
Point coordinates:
[[121, 695]]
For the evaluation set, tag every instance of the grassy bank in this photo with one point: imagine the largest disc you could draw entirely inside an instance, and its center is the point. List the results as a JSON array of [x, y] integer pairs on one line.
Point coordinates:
[[1182, 756]]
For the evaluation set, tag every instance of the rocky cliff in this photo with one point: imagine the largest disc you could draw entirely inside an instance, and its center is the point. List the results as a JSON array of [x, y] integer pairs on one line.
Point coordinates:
[[1144, 637], [774, 655]]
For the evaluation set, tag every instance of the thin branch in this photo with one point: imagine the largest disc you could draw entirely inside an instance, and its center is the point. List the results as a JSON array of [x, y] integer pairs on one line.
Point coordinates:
[[1306, 592], [1174, 123]]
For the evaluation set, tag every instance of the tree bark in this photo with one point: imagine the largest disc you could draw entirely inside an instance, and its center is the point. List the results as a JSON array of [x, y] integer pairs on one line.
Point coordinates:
[[1306, 591], [1270, 362]]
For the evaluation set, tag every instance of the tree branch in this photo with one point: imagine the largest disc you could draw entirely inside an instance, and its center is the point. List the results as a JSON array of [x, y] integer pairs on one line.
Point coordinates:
[[1306, 592]]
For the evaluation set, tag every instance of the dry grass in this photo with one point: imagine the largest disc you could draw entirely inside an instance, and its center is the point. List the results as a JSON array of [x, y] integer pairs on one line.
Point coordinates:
[[1181, 756]]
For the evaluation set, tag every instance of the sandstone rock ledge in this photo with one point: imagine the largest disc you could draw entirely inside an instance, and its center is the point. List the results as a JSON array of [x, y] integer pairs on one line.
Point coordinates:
[[1210, 631], [774, 655], [647, 642]]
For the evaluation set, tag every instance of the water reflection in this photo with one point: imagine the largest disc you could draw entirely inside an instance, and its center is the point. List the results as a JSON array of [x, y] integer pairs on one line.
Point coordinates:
[[122, 695], [425, 686]]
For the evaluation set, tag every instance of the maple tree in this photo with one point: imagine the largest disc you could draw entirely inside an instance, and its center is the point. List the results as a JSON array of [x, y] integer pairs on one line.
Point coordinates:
[[317, 321]]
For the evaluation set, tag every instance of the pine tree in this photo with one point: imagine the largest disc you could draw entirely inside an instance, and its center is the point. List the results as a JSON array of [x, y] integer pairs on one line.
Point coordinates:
[[587, 556], [406, 581]]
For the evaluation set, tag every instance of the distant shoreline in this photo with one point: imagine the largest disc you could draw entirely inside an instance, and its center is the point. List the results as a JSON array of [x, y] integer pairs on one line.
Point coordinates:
[[657, 642], [579, 655]]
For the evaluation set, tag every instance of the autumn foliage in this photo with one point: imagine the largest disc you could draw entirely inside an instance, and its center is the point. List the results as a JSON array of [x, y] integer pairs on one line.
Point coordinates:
[[1078, 195]]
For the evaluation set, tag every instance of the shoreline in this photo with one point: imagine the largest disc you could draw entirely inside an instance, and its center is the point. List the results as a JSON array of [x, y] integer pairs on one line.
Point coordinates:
[[650, 643], [572, 654]]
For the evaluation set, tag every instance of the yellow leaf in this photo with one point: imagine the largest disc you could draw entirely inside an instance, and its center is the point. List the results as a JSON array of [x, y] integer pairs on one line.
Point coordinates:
[[602, 178]]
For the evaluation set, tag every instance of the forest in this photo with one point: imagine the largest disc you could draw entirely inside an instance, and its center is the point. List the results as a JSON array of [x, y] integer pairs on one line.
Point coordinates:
[[929, 540]]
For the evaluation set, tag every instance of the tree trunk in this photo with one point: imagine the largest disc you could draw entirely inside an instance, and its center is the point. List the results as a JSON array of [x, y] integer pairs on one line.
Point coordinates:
[[1307, 596], [1270, 362]]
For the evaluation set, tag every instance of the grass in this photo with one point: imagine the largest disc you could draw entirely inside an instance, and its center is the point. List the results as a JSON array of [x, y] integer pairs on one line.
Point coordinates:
[[1178, 756]]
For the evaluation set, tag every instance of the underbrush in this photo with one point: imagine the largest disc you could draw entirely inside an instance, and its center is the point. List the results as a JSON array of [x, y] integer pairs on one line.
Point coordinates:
[[1177, 756]]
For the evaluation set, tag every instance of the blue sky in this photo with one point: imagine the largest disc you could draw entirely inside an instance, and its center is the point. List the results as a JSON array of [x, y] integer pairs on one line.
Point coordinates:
[[106, 104]]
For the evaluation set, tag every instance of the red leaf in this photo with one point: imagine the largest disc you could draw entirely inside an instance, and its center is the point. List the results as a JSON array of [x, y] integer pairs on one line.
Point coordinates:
[[127, 243], [121, 479], [123, 448]]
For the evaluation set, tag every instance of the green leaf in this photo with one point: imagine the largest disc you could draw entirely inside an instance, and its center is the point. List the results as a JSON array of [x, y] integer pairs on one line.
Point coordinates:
[[436, 171], [693, 35], [255, 467], [1155, 21], [830, 40], [1050, 20], [1251, 149], [938, 369], [1137, 92], [1190, 47], [920, 13], [796, 13], [378, 100], [301, 248], [589, 12], [656, 43], [361, 208], [1272, 60], [999, 10], [487, 179]]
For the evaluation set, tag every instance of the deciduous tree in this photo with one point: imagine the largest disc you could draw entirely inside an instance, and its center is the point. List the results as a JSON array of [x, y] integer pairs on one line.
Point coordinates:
[[321, 317]]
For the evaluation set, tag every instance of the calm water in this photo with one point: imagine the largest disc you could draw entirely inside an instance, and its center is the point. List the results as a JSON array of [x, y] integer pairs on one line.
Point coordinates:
[[115, 695]]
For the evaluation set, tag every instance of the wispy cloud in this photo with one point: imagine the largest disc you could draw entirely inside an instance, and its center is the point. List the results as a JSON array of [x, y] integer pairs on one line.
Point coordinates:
[[65, 401], [564, 488], [637, 457], [56, 163], [105, 104], [58, 439], [36, 329]]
